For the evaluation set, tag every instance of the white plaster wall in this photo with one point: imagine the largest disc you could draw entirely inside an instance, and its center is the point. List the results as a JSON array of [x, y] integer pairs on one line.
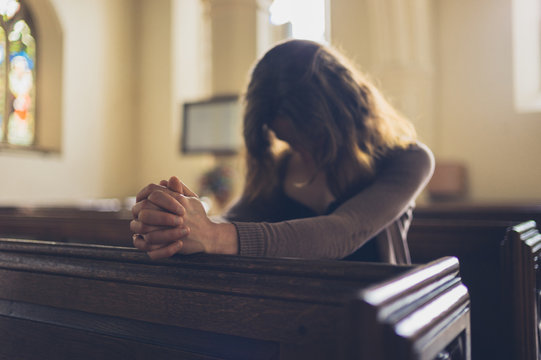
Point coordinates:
[[97, 116], [473, 119], [128, 65], [477, 122], [173, 69]]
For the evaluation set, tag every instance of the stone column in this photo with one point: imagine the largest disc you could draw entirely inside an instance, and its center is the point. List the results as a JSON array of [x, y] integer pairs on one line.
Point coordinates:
[[392, 41], [404, 60], [240, 33]]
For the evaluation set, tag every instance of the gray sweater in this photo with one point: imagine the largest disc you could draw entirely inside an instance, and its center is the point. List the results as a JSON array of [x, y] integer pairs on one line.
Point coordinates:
[[279, 227]]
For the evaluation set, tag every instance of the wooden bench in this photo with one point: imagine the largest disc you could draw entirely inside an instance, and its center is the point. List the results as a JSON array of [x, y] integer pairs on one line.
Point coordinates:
[[519, 212], [489, 264], [67, 301], [522, 281], [64, 224]]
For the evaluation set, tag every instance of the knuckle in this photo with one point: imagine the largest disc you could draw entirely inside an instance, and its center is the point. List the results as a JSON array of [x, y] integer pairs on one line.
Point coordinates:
[[172, 250], [183, 200], [138, 243], [144, 215], [145, 229], [150, 237], [149, 186], [147, 205], [181, 210], [134, 226], [156, 194]]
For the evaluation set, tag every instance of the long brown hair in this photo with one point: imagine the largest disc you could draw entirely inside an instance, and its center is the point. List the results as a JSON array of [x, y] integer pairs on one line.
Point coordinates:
[[327, 101]]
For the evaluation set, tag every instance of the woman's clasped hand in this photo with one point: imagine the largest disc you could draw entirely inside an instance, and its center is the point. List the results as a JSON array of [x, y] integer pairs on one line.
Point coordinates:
[[169, 218]]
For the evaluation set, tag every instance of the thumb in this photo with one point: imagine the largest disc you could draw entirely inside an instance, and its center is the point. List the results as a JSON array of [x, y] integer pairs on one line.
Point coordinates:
[[176, 185]]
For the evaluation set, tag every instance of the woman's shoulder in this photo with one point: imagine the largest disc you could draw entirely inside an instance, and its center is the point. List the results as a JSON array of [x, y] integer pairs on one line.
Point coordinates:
[[417, 155]]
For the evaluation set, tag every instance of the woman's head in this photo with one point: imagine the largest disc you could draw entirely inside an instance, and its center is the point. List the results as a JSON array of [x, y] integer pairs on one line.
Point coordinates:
[[337, 115]]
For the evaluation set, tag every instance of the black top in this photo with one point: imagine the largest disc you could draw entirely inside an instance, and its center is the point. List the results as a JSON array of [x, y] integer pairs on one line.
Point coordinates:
[[292, 209]]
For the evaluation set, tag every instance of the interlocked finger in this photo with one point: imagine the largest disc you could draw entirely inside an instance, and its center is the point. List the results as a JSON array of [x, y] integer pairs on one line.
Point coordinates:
[[165, 201], [159, 218], [137, 227], [167, 235], [144, 204], [166, 251]]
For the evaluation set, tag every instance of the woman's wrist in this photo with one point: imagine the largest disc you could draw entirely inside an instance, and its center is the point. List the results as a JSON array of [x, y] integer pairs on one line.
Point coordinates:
[[225, 239]]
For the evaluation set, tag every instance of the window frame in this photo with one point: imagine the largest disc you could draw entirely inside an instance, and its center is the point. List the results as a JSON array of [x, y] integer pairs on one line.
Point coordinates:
[[26, 14], [526, 38]]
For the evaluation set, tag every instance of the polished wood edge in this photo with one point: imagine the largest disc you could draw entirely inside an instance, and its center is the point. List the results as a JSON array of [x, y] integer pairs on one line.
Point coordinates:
[[323, 282], [457, 224], [521, 253], [330, 269], [413, 280], [427, 302], [524, 226], [453, 300]]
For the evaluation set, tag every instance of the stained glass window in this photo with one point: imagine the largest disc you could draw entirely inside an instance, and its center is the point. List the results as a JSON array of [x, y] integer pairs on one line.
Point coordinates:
[[17, 75]]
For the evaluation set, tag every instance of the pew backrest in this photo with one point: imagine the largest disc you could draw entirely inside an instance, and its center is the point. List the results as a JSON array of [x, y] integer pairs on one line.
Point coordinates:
[[477, 245], [407, 311], [68, 301], [518, 212], [522, 283], [67, 225]]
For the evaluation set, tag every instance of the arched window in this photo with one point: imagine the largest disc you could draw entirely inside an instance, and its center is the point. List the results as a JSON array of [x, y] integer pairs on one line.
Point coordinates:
[[17, 75]]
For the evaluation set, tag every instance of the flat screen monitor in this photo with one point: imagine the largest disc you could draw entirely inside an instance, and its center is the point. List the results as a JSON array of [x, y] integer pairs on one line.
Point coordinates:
[[212, 126]]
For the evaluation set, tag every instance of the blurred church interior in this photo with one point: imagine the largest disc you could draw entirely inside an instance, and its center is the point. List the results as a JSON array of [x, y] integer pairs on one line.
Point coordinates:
[[112, 79]]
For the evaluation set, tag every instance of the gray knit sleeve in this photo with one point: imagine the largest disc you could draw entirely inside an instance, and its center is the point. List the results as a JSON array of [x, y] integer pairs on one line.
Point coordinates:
[[356, 221]]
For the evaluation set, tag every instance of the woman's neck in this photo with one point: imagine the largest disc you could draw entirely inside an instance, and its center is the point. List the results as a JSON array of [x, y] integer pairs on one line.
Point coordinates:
[[305, 184]]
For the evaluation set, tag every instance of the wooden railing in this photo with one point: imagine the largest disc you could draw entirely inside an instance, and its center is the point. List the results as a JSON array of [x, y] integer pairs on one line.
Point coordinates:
[[67, 225], [499, 265], [477, 245], [509, 211], [522, 282], [67, 301]]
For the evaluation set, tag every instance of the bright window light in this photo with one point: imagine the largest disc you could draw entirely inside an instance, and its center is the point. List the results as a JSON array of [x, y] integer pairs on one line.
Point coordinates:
[[527, 54], [307, 17]]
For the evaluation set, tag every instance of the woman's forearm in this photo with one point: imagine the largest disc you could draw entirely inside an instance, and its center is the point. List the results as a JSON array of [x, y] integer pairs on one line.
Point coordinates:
[[351, 224], [224, 239]]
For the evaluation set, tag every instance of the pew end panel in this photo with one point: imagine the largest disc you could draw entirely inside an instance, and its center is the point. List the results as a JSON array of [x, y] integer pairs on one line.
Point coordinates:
[[422, 314], [68, 301], [522, 283], [477, 245]]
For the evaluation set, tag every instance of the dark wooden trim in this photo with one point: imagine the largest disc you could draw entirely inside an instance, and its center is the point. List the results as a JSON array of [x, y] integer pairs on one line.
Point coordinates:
[[523, 284], [427, 308], [519, 212], [103, 300]]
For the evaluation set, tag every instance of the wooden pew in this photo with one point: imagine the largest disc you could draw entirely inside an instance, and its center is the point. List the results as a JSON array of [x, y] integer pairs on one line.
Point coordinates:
[[488, 266], [67, 224], [522, 281], [67, 301], [519, 212]]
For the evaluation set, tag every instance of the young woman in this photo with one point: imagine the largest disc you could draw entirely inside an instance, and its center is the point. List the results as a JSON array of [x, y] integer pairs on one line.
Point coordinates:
[[332, 171]]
